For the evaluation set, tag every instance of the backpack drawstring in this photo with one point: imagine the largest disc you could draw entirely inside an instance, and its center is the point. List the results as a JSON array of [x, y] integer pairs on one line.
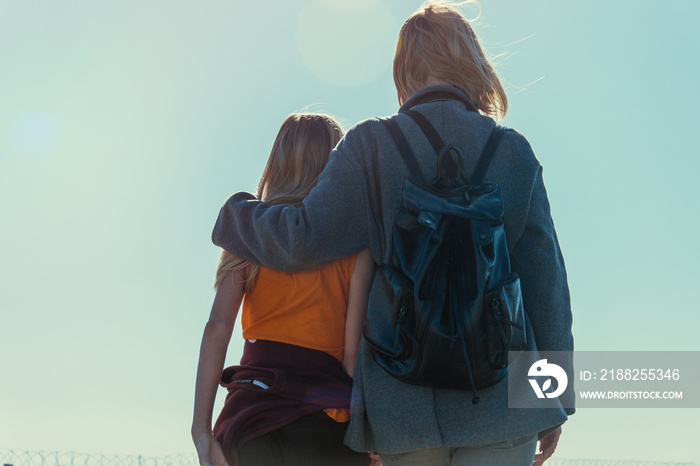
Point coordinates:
[[476, 398]]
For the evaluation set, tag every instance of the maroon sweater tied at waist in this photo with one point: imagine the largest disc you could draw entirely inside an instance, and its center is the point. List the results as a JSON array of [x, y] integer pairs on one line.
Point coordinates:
[[274, 385]]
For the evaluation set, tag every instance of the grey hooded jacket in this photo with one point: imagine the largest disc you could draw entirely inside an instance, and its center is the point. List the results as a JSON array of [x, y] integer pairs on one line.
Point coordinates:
[[353, 207]]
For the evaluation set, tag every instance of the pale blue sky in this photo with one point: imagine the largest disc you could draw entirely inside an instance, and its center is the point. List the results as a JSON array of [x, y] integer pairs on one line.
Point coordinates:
[[125, 124]]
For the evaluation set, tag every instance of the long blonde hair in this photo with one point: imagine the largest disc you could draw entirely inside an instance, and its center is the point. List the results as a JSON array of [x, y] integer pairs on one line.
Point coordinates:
[[298, 156], [437, 40]]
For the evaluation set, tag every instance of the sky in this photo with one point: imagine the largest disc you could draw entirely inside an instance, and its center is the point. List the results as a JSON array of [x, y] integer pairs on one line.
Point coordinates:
[[124, 126]]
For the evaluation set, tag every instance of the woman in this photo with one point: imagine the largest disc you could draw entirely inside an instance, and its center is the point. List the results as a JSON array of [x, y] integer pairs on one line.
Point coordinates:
[[441, 72], [288, 401]]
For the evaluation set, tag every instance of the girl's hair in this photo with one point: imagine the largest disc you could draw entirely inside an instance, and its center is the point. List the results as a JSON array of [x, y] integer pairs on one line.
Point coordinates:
[[298, 156], [438, 40]]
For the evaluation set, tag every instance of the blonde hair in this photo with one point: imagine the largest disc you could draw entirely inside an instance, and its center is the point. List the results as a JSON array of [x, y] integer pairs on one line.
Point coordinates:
[[438, 41], [298, 156]]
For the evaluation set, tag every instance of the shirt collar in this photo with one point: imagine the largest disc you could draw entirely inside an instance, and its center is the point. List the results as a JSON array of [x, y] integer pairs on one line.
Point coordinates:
[[436, 93]]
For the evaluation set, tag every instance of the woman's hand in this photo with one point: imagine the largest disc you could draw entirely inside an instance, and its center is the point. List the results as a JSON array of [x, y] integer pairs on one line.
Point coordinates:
[[547, 447], [208, 450]]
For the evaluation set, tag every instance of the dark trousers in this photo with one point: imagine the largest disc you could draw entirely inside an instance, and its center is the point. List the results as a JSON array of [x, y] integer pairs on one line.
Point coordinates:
[[314, 440]]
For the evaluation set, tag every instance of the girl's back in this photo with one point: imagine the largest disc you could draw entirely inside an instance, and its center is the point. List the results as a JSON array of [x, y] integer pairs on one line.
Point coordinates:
[[303, 309]]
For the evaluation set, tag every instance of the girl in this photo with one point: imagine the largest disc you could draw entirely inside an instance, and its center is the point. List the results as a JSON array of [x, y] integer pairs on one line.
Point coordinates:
[[289, 399]]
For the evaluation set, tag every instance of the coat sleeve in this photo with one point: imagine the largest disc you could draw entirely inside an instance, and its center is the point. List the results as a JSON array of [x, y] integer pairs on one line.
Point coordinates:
[[537, 258], [332, 222]]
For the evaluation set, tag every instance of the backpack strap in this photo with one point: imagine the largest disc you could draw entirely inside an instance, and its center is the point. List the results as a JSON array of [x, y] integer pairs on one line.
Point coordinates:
[[487, 154], [438, 145], [404, 148], [450, 161], [428, 129]]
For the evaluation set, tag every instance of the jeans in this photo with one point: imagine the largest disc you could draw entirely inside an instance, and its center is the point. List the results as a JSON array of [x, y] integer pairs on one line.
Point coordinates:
[[314, 440], [516, 452]]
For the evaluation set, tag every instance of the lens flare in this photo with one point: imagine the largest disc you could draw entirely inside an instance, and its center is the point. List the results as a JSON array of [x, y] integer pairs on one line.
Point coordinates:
[[343, 46]]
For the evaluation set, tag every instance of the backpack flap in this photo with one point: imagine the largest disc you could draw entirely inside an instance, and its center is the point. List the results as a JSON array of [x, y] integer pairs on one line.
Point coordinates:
[[472, 202], [481, 233]]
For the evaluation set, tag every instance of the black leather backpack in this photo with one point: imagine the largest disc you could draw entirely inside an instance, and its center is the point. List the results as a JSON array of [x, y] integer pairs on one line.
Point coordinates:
[[446, 310]]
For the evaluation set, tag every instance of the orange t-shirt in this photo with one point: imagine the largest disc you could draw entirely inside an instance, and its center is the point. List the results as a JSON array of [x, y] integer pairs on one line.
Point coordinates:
[[303, 309]]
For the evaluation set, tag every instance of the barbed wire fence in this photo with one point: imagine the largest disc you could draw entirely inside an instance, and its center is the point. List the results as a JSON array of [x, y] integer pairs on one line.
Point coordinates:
[[595, 462], [50, 458]]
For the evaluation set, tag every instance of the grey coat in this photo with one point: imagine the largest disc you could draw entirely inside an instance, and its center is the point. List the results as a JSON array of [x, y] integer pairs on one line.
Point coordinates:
[[353, 207]]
